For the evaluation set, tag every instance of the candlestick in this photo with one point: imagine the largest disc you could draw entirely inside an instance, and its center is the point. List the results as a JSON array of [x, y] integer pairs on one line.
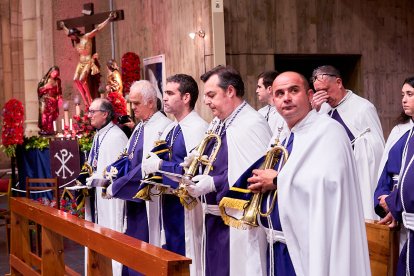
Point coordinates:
[[63, 125], [70, 124]]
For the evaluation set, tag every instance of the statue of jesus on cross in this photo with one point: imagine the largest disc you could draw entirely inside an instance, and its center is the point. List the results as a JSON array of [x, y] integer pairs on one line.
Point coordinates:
[[83, 45]]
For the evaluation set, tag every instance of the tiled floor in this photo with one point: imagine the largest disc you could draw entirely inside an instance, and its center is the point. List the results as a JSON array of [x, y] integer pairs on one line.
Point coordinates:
[[74, 253]]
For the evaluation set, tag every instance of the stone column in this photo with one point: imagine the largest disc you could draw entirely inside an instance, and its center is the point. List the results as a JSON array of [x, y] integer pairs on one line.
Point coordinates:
[[37, 54]]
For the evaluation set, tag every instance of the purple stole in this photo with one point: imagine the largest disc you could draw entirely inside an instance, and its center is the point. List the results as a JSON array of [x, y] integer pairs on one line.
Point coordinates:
[[217, 233], [392, 167], [281, 258], [171, 208], [395, 204]]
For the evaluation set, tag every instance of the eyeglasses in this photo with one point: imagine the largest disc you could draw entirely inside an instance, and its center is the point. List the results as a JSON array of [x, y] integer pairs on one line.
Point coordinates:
[[91, 111], [320, 77]]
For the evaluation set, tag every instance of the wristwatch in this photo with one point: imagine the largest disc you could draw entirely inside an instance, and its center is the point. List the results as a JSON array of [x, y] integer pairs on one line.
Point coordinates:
[[275, 181]]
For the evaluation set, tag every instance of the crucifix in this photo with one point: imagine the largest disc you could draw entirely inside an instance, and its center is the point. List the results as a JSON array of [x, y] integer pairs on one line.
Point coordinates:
[[85, 45]]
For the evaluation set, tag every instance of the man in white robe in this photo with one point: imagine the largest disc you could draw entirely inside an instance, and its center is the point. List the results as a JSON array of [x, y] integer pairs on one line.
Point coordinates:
[[265, 96], [181, 228], [319, 201], [108, 143], [360, 119], [142, 217], [244, 135]]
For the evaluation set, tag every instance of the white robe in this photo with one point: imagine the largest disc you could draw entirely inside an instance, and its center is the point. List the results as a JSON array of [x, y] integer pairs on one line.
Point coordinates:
[[153, 130], [193, 128], [359, 114], [108, 212], [275, 120], [247, 138], [320, 201]]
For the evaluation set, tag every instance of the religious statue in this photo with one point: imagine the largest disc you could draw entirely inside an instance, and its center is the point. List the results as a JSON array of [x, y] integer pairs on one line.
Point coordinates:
[[114, 89], [114, 80], [87, 64], [49, 92]]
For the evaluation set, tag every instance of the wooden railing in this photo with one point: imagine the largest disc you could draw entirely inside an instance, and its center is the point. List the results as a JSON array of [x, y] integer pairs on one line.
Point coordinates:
[[103, 245]]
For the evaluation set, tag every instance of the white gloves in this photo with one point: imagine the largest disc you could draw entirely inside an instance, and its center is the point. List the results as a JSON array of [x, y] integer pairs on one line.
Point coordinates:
[[204, 185], [89, 181], [151, 164]]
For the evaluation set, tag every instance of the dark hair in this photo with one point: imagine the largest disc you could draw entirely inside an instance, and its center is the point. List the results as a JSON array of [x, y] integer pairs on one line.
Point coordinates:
[[106, 106], [112, 65], [268, 77], [187, 85], [227, 76], [74, 31], [46, 77], [326, 69], [403, 118]]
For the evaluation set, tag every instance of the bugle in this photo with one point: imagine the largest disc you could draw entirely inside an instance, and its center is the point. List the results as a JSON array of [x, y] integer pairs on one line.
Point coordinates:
[[251, 208]]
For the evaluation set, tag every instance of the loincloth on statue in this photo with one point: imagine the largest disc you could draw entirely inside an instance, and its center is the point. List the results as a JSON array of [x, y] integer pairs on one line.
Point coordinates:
[[84, 67]]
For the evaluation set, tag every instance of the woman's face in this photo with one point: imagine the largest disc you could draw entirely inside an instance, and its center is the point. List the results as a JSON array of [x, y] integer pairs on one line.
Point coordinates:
[[408, 99], [54, 74]]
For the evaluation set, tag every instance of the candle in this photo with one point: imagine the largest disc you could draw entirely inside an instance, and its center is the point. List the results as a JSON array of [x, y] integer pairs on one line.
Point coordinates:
[[66, 112], [54, 126], [63, 125], [70, 124], [77, 110], [76, 100]]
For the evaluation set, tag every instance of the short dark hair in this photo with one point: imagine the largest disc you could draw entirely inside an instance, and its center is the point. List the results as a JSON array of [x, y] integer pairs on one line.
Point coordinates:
[[227, 76], [187, 85], [268, 77], [403, 118], [106, 106], [326, 69]]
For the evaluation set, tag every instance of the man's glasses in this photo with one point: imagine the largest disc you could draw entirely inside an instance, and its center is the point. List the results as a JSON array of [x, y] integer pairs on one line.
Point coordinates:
[[91, 111], [320, 77]]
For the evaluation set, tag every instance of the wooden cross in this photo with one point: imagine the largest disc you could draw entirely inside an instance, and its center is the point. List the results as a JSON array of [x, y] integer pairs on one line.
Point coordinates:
[[88, 21]]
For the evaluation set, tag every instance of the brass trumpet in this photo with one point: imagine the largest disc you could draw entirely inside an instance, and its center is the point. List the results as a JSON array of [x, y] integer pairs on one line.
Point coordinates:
[[186, 200], [251, 208]]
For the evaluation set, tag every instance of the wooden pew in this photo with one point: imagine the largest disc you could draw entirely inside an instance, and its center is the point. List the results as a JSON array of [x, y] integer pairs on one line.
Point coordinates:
[[104, 244], [383, 245]]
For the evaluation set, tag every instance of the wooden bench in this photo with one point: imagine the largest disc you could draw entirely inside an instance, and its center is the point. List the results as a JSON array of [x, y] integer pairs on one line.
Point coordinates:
[[103, 245]]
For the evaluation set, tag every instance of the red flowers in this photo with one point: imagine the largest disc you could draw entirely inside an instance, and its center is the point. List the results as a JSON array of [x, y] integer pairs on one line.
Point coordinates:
[[13, 114], [119, 104], [130, 70]]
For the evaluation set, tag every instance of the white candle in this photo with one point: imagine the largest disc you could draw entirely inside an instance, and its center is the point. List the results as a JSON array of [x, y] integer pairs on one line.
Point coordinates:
[[70, 124], [77, 108], [54, 126], [66, 113], [63, 125]]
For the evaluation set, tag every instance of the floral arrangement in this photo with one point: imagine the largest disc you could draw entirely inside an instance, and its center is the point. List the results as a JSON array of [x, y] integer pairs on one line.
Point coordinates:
[[13, 116], [70, 206], [119, 104], [130, 70], [36, 142], [84, 131]]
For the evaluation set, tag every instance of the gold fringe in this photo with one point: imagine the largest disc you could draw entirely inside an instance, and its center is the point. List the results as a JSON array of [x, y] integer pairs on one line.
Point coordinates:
[[231, 221], [238, 204], [143, 194]]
